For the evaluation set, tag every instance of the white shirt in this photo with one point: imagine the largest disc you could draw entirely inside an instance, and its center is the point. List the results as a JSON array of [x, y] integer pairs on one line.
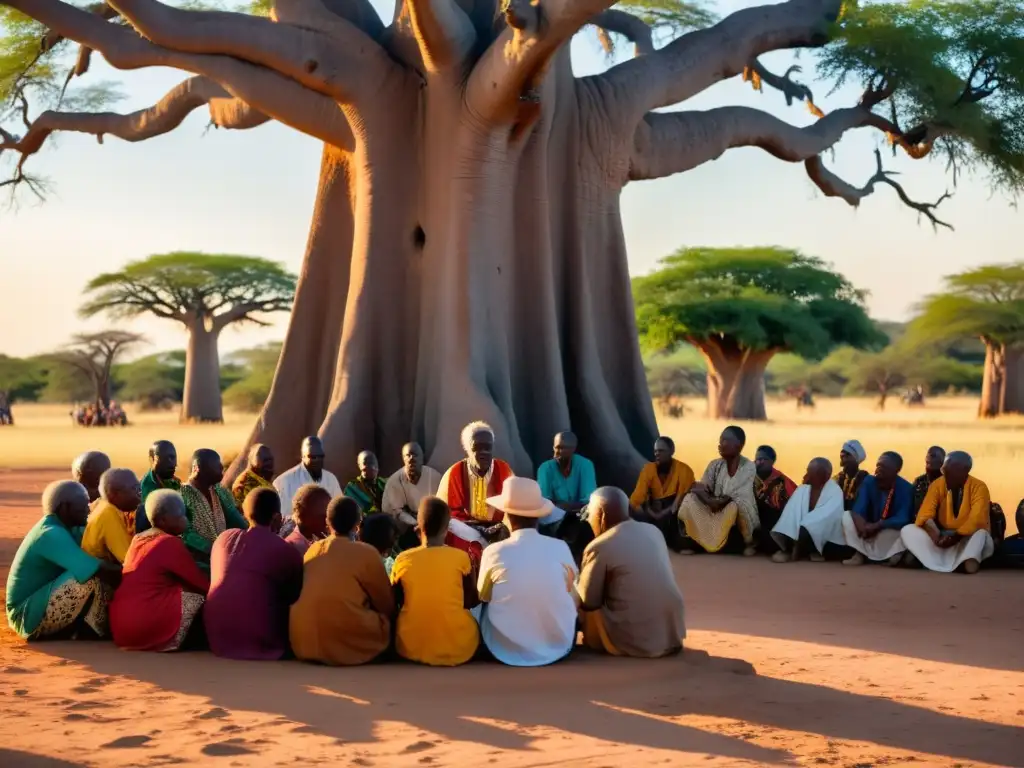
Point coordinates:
[[399, 493], [528, 585], [288, 484]]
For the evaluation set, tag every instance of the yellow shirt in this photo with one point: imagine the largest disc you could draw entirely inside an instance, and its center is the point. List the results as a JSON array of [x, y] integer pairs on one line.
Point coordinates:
[[106, 533], [649, 486], [974, 509], [433, 626]]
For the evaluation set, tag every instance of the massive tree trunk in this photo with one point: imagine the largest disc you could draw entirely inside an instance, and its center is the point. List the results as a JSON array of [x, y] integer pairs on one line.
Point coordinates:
[[1002, 387], [201, 401], [735, 380]]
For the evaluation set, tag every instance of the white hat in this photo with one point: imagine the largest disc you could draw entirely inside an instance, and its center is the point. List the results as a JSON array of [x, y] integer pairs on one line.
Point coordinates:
[[521, 496]]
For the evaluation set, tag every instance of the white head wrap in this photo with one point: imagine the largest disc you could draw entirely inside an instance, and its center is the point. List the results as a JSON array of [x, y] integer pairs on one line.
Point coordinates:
[[855, 449]]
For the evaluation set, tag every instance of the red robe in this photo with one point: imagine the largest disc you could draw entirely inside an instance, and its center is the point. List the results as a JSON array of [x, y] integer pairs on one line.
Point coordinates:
[[459, 502]]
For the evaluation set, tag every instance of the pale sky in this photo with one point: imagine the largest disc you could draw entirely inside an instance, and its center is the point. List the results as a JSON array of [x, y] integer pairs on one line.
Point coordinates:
[[251, 192]]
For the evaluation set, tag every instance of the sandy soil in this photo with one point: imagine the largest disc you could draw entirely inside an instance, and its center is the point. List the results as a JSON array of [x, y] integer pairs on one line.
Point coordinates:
[[803, 664]]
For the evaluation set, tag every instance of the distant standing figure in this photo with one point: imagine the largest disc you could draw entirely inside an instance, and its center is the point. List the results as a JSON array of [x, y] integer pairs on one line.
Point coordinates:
[[723, 498], [660, 489], [952, 527], [309, 470], [259, 472], [630, 603], [850, 475], [884, 506], [163, 461], [87, 470], [814, 514], [255, 576], [162, 591], [367, 488]]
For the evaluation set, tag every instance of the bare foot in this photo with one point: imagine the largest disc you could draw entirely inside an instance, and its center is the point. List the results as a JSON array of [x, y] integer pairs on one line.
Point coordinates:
[[814, 557], [857, 559], [971, 566], [895, 560], [781, 557], [750, 550]]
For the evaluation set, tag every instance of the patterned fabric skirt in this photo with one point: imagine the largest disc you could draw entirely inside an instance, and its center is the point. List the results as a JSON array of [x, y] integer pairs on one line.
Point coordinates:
[[72, 602], [711, 529], [191, 604]]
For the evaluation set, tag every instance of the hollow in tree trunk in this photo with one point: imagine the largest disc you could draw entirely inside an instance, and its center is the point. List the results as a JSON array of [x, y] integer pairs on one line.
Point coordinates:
[[201, 401]]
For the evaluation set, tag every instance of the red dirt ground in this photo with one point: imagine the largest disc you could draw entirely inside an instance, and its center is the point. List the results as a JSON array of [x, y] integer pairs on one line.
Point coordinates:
[[798, 664]]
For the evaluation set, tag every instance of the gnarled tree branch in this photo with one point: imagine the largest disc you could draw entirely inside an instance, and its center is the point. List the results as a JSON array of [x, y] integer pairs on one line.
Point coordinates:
[[443, 31], [634, 29], [164, 116], [509, 72], [697, 60]]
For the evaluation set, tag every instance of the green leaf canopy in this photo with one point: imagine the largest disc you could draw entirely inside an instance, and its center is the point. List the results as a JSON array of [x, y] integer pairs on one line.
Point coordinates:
[[757, 299], [986, 302]]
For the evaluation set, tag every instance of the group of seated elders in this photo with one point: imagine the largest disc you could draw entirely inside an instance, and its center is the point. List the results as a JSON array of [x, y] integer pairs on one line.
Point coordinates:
[[162, 588], [54, 589], [404, 490], [723, 498]]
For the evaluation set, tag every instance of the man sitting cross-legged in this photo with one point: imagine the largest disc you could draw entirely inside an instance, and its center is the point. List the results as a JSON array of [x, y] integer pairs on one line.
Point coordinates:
[[884, 505], [814, 514], [952, 526], [404, 490], [630, 603], [435, 591], [527, 584], [54, 589]]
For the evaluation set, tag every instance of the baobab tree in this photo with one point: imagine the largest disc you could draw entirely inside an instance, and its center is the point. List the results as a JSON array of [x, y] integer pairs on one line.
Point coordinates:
[[94, 355], [206, 294], [986, 303], [466, 258], [742, 306]]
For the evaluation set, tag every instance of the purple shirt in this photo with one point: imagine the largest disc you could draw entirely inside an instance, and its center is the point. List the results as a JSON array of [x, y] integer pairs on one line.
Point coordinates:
[[297, 540], [255, 576]]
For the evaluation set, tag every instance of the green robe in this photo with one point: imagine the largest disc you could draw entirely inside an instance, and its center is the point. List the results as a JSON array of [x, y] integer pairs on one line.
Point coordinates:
[[202, 530], [150, 483]]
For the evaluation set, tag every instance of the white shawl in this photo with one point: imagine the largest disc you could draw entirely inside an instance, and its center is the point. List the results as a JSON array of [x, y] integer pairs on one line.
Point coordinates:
[[824, 523]]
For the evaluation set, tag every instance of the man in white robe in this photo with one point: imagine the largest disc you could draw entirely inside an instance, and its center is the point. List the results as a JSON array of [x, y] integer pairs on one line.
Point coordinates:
[[814, 513], [309, 470]]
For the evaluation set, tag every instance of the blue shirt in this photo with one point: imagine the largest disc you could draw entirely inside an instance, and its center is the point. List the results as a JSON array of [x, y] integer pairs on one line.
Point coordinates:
[[871, 501], [574, 489]]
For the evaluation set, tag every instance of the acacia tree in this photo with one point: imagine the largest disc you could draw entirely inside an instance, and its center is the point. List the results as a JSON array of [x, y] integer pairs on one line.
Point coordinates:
[[94, 355], [985, 303], [466, 257], [742, 306], [206, 294]]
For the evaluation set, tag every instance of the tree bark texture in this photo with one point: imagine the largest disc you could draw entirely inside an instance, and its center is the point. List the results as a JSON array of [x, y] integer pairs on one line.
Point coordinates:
[[201, 400], [466, 258], [1002, 387], [735, 381]]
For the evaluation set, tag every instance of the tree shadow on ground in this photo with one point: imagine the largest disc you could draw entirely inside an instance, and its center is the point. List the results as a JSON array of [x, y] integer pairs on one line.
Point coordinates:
[[910, 613], [13, 758], [617, 700]]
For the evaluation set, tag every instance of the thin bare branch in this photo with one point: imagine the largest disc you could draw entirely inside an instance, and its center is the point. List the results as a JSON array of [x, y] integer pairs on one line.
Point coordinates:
[[509, 73], [758, 76], [697, 60], [164, 116], [634, 29], [832, 185]]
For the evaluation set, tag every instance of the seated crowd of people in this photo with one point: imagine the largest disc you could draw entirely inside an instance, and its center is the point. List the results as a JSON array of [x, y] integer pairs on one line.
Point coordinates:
[[98, 415], [444, 568]]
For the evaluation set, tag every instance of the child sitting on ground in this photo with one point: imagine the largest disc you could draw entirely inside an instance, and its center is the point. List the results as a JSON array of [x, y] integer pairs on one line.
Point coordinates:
[[435, 590], [380, 532]]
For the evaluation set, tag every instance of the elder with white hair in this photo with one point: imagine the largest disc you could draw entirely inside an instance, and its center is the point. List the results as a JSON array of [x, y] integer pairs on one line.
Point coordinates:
[[467, 485], [54, 589], [163, 590], [87, 469], [953, 527], [108, 534]]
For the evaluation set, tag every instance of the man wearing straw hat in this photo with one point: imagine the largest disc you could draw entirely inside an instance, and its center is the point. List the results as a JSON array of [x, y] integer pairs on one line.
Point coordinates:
[[527, 584]]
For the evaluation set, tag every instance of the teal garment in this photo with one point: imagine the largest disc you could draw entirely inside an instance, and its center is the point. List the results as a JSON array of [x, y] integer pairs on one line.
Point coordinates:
[[574, 489], [48, 556], [369, 497]]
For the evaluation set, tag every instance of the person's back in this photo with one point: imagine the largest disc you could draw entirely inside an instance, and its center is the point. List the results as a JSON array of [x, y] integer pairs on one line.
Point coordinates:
[[642, 606], [527, 582], [343, 613], [434, 627], [255, 577]]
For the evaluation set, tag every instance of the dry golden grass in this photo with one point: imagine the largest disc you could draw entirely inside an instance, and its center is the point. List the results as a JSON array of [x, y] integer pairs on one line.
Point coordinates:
[[45, 437]]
